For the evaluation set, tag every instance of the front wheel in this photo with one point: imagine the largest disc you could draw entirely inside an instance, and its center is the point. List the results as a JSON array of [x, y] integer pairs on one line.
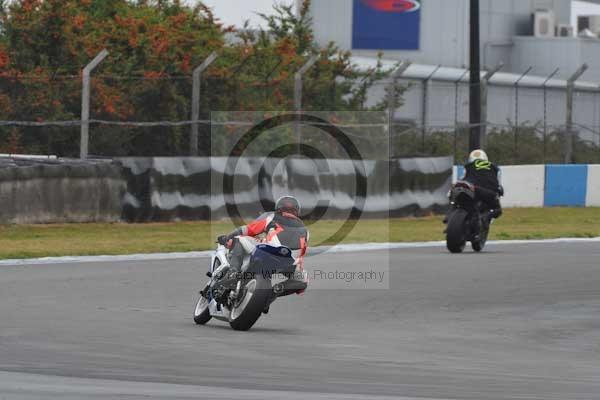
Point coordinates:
[[479, 245], [201, 312], [253, 297], [455, 233]]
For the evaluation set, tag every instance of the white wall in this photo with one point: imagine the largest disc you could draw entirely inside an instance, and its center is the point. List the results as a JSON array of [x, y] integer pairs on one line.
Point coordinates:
[[524, 186], [593, 186]]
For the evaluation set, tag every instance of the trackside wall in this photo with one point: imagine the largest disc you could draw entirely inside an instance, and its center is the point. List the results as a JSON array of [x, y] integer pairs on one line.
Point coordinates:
[[549, 185]]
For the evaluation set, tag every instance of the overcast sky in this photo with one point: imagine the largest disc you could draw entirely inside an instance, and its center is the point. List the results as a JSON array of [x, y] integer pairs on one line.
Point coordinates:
[[235, 12]]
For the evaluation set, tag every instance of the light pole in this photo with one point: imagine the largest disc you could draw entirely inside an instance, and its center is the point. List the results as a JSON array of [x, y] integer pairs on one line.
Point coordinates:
[[475, 81]]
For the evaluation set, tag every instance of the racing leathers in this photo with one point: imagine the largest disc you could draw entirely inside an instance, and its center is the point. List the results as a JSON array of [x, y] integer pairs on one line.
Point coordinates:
[[281, 229], [486, 177]]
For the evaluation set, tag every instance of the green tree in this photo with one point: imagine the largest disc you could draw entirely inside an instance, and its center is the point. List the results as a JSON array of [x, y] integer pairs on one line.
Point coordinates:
[[154, 45]]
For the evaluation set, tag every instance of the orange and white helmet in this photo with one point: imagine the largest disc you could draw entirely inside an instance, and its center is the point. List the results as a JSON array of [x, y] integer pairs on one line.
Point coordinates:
[[478, 155]]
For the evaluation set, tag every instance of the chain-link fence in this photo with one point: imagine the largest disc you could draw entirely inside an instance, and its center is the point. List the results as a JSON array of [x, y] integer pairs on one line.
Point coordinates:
[[151, 115]]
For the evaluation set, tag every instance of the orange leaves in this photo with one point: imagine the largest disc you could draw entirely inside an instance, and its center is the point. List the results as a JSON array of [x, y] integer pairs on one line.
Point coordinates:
[[159, 41], [5, 103], [185, 63], [218, 72], [133, 41], [4, 58], [286, 49], [278, 96], [108, 100], [13, 146], [160, 45], [153, 74], [130, 23], [178, 20], [29, 5], [79, 21]]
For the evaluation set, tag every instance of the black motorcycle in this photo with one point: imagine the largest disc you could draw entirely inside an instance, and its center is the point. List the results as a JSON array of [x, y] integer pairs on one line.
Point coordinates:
[[468, 220]]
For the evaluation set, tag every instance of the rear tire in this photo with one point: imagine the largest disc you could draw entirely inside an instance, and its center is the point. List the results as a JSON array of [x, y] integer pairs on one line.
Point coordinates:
[[245, 314], [455, 233]]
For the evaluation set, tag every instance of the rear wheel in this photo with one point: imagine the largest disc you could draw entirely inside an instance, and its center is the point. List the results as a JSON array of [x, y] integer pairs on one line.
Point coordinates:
[[456, 231], [251, 302]]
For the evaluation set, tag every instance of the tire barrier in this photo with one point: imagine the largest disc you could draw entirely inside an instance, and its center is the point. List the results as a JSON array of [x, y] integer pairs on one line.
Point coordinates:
[[34, 191], [170, 189]]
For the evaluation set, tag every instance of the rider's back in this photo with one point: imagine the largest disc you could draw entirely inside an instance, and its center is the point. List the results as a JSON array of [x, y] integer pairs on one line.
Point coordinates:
[[483, 174], [287, 229]]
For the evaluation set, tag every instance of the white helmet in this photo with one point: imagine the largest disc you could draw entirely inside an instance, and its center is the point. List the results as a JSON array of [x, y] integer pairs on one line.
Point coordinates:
[[478, 155]]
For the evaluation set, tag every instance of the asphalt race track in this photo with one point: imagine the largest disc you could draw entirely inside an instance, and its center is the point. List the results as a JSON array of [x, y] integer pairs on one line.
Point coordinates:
[[517, 322]]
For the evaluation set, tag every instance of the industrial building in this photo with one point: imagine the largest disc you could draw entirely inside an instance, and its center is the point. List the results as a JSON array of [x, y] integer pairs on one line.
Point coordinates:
[[519, 33], [539, 43]]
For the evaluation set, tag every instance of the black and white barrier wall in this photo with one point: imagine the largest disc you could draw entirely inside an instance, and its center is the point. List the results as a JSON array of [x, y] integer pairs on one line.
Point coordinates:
[[34, 191], [169, 189]]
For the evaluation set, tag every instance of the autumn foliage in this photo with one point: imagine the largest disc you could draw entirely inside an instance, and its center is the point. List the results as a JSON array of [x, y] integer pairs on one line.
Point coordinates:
[[154, 46]]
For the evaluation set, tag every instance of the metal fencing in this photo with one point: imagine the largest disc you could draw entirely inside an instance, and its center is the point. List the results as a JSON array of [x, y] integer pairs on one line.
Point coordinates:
[[108, 116]]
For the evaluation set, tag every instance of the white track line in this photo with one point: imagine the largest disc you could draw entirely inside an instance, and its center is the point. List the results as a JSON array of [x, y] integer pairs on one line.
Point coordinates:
[[342, 248]]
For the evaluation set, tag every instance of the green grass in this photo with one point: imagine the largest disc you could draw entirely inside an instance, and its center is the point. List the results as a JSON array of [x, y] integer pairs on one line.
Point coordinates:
[[29, 241]]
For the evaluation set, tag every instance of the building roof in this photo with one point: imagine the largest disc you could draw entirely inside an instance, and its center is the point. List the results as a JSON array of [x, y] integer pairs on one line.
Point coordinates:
[[422, 71]]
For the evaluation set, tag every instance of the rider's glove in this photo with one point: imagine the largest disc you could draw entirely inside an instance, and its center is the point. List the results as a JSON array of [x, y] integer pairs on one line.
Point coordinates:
[[501, 190], [222, 240]]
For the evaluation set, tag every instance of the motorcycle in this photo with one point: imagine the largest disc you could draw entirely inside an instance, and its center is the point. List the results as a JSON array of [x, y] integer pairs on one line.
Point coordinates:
[[241, 298], [467, 220]]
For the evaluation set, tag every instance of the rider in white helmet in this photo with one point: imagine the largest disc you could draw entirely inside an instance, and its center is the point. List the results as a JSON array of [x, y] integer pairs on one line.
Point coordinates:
[[485, 175]]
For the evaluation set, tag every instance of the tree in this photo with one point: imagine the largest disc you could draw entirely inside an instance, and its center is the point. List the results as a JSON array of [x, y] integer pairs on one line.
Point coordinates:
[[154, 45]]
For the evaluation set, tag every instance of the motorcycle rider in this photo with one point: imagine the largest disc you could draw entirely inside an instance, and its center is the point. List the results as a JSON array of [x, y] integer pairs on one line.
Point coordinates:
[[486, 178], [283, 227]]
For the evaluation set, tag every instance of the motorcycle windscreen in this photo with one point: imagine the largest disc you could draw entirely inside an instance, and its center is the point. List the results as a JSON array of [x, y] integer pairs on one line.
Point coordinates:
[[271, 259]]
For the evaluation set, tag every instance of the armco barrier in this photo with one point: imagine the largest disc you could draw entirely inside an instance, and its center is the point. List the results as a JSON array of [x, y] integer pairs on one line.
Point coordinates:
[[166, 189], [55, 191], [549, 185]]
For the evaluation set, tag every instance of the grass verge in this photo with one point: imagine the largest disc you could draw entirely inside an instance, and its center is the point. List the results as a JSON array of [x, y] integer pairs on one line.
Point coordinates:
[[31, 241]]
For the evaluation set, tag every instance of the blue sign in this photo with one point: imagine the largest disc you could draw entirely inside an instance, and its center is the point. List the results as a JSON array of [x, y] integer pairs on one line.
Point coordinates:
[[386, 24]]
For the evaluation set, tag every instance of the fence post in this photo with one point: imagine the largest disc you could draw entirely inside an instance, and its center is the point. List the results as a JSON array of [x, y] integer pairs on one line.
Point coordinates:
[[516, 141], [425, 106], [85, 104], [196, 87], [298, 93], [392, 104], [545, 92], [569, 125], [484, 102], [456, 83]]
